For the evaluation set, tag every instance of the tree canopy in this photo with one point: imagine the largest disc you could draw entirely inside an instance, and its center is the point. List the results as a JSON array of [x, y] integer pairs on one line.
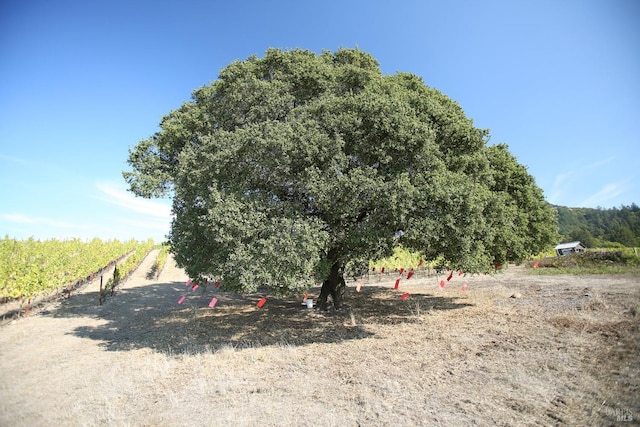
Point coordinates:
[[295, 166]]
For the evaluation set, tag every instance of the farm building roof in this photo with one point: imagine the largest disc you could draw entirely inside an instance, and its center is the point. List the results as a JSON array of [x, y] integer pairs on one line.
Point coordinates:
[[568, 245]]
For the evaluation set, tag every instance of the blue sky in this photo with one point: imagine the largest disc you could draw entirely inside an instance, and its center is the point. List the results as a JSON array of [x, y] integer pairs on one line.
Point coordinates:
[[82, 81]]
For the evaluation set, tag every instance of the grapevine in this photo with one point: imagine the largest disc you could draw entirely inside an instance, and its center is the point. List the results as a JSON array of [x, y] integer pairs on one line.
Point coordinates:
[[124, 269], [32, 267]]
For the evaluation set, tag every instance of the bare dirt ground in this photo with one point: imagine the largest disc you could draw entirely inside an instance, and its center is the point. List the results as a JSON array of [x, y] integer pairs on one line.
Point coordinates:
[[512, 349]]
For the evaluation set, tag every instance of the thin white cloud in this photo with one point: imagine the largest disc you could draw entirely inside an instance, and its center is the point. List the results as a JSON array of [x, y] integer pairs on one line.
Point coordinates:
[[34, 163], [158, 225], [18, 218], [565, 185], [607, 193], [124, 199], [600, 163], [561, 184], [13, 159]]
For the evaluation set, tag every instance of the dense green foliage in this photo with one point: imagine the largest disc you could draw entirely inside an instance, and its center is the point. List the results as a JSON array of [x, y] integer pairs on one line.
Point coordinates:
[[30, 267], [297, 162], [600, 227]]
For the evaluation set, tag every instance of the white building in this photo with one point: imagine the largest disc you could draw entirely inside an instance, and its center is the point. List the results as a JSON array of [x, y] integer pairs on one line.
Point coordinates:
[[569, 248]]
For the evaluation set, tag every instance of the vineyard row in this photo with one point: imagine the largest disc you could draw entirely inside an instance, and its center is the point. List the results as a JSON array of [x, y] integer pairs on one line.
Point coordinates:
[[32, 267]]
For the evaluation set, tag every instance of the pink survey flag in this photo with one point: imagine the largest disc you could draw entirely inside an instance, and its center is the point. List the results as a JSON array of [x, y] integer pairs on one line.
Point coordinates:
[[261, 302], [213, 302], [459, 273], [441, 285], [188, 282], [405, 296], [464, 287], [536, 264], [181, 300], [397, 284], [194, 287]]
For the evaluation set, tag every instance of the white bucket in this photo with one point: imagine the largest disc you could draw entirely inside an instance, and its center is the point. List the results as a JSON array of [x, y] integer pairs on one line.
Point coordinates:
[[309, 302]]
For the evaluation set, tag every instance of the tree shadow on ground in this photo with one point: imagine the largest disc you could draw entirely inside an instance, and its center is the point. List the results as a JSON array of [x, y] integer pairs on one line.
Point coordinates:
[[150, 317]]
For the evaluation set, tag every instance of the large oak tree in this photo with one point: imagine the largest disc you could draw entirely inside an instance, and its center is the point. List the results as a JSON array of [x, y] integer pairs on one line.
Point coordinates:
[[293, 167]]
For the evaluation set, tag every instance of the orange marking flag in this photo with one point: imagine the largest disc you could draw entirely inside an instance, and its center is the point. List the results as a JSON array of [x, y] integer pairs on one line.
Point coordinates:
[[261, 302]]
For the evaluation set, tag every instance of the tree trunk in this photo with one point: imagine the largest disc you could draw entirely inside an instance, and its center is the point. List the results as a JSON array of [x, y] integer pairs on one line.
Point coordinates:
[[335, 286]]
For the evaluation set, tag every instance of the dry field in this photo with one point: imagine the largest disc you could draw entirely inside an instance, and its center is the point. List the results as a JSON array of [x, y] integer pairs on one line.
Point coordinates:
[[513, 349]]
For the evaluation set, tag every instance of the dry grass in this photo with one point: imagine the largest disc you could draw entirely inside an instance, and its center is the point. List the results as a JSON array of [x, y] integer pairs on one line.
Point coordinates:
[[564, 352]]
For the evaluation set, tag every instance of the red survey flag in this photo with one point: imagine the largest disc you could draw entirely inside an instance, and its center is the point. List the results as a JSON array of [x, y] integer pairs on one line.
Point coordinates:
[[420, 263], [382, 270], [216, 284], [536, 264], [213, 302], [450, 276], [397, 284], [401, 271], [459, 273], [409, 274], [441, 285], [261, 302], [405, 296], [181, 300], [498, 265]]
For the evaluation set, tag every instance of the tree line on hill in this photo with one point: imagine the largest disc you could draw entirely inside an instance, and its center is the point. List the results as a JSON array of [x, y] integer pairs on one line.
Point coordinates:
[[600, 227]]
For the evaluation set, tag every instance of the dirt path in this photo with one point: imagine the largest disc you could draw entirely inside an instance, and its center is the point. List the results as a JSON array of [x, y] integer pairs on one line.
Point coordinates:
[[511, 349], [51, 361]]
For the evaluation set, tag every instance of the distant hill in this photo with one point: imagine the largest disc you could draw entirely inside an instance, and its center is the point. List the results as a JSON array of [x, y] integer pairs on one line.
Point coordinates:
[[600, 227]]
